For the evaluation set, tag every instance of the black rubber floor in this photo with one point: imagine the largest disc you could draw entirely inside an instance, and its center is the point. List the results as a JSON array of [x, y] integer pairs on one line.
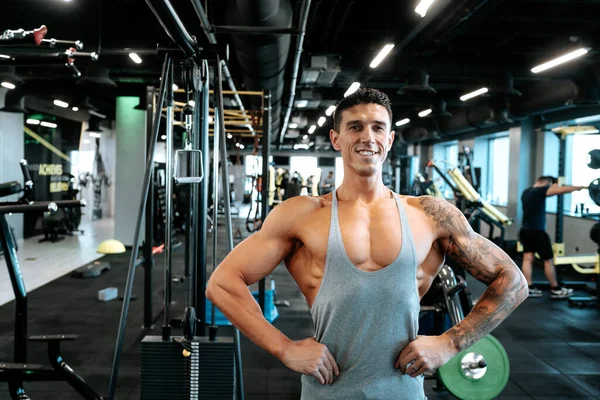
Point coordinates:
[[554, 350]]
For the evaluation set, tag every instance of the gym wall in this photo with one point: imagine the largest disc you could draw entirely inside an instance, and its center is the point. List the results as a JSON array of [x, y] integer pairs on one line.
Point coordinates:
[[12, 150]]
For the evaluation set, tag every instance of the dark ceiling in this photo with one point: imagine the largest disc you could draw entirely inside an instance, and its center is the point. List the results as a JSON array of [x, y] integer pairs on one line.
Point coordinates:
[[460, 46]]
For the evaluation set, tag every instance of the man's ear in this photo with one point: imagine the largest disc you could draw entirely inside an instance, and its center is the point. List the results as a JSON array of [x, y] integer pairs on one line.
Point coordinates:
[[334, 137], [391, 141]]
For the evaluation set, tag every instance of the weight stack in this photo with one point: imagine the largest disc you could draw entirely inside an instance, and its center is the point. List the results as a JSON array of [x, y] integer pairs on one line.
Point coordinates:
[[208, 373]]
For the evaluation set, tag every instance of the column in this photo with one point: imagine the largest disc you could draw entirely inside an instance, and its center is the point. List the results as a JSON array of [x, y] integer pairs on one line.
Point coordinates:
[[130, 164], [521, 168]]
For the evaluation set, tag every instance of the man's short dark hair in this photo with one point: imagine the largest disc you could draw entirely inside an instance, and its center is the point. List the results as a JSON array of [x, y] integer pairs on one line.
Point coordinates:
[[550, 179], [361, 96]]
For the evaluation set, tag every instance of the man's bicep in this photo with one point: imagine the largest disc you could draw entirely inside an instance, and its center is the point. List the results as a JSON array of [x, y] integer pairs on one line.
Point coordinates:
[[483, 259], [256, 257], [479, 256]]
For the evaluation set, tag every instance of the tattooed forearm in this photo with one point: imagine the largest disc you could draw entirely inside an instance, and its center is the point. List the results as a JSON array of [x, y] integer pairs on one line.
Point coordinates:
[[485, 261], [502, 296]]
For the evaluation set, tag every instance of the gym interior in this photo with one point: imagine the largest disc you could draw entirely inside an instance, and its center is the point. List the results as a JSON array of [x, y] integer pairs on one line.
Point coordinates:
[[133, 136]]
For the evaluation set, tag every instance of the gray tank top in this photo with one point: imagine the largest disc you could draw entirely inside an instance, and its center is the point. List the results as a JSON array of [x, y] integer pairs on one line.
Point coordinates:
[[365, 319]]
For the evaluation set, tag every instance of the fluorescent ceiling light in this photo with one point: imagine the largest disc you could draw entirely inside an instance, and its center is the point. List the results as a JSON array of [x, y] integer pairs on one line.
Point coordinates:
[[382, 54], [241, 146], [560, 60], [301, 146], [8, 85], [4, 56], [192, 103], [31, 121], [423, 6], [321, 121], [476, 93], [292, 125], [136, 59], [95, 134], [402, 122], [312, 129], [425, 113], [163, 137], [61, 103], [48, 124], [175, 87], [353, 88], [75, 108], [301, 103], [229, 136], [329, 110], [305, 137]]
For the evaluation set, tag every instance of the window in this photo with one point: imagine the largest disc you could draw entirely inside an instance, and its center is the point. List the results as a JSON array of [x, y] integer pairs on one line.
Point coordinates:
[[581, 174], [305, 166], [497, 179], [253, 165], [445, 156]]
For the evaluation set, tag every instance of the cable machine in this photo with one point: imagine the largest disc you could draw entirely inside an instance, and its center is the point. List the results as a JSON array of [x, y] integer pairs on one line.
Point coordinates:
[[186, 366]]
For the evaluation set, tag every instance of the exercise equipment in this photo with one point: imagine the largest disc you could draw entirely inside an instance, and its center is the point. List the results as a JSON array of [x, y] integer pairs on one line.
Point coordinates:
[[18, 372], [585, 264], [593, 159], [479, 372], [474, 207], [193, 365]]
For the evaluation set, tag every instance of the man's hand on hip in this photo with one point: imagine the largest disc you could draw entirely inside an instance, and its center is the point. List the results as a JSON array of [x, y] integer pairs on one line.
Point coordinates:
[[310, 357], [425, 354]]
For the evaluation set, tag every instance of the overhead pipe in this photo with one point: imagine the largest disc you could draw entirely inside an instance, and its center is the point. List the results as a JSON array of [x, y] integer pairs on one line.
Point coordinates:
[[169, 20], [206, 28], [253, 30], [546, 96], [305, 7], [262, 59]]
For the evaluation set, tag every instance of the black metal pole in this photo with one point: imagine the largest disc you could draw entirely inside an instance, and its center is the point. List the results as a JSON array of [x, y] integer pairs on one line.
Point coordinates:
[[194, 202], [167, 65], [166, 328], [228, 225], [18, 285], [560, 201], [149, 221], [202, 216], [266, 135], [171, 23]]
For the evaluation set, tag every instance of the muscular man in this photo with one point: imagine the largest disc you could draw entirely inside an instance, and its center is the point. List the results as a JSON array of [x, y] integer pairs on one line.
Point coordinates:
[[533, 234], [363, 257]]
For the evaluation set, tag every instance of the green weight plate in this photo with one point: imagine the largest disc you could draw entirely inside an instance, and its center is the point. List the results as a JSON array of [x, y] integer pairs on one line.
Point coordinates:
[[493, 378]]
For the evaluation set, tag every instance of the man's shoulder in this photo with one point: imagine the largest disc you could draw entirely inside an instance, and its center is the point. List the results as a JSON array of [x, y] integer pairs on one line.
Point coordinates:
[[300, 207]]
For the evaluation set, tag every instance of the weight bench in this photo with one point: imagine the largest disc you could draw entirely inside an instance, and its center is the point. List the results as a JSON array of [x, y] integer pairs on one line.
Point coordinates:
[[13, 374], [60, 367]]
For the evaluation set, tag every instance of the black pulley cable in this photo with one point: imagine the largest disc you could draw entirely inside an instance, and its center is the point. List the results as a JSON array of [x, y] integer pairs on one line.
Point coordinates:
[[228, 224], [167, 65]]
